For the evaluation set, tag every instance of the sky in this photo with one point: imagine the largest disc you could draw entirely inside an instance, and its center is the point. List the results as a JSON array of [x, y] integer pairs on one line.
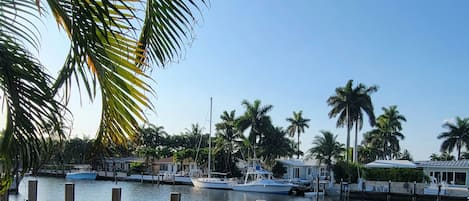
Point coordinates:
[[293, 54]]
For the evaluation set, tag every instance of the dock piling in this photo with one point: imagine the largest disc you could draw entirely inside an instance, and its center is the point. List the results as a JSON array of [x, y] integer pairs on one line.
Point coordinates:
[[32, 190], [175, 196], [69, 192], [116, 194]]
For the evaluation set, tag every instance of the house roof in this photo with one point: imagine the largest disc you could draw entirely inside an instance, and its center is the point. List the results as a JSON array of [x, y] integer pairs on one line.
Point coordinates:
[[298, 163], [124, 159], [444, 164], [391, 164]]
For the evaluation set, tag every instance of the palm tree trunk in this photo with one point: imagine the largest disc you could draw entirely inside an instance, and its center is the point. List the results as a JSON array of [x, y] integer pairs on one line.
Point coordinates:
[[459, 150], [355, 152], [348, 134], [298, 147]]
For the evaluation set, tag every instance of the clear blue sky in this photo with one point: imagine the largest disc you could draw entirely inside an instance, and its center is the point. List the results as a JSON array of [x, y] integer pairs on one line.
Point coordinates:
[[293, 54]]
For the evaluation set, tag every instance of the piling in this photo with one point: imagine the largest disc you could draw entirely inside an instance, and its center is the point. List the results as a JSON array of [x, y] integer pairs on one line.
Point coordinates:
[[69, 192], [175, 196], [317, 188], [388, 196], [341, 187], [116, 194], [32, 190]]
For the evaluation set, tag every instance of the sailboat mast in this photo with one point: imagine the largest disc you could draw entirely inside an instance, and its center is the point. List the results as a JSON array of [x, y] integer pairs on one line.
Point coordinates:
[[210, 141]]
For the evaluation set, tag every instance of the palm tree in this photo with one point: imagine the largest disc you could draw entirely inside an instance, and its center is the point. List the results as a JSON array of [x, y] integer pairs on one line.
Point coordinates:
[[297, 125], [255, 118], [445, 156], [113, 44], [387, 133], [274, 145], [456, 136], [349, 104], [228, 138], [326, 147]]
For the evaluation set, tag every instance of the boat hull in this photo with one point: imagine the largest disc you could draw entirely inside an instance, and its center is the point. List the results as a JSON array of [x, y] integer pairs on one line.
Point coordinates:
[[213, 183], [264, 188], [82, 176]]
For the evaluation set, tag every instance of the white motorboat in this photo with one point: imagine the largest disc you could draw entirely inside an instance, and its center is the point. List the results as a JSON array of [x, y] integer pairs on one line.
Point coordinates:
[[260, 180], [82, 172], [209, 182]]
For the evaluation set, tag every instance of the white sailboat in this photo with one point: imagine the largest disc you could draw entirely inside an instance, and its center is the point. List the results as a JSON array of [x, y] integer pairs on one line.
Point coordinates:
[[260, 180], [209, 182]]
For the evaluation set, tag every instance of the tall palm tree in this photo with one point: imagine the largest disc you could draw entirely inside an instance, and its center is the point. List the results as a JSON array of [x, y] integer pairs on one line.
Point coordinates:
[[456, 136], [348, 104], [113, 44], [297, 126], [255, 117], [326, 147]]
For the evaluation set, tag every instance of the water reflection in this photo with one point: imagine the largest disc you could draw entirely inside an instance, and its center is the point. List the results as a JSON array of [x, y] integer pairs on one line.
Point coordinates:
[[52, 189]]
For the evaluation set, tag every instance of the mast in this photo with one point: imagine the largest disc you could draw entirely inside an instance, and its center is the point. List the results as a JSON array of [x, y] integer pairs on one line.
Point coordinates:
[[210, 141]]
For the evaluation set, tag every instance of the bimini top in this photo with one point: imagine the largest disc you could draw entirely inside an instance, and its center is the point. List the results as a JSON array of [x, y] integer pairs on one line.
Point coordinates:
[[391, 164]]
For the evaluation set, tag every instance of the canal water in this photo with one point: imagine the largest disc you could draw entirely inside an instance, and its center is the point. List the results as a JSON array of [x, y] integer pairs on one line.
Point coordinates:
[[53, 189]]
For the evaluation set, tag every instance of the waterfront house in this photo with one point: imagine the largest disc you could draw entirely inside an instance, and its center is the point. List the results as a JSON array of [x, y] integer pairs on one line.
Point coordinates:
[[303, 169], [120, 164], [452, 173]]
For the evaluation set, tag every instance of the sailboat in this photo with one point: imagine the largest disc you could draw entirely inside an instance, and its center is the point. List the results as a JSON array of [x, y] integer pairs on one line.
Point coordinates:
[[209, 182]]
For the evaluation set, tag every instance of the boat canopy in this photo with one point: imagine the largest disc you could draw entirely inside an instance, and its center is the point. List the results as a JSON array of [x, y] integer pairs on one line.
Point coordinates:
[[391, 164]]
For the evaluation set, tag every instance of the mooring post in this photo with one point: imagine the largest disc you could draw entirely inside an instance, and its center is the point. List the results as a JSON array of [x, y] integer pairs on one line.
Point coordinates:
[[174, 179], [32, 190], [175, 196], [438, 198], [341, 187], [317, 188], [69, 192], [116, 194]]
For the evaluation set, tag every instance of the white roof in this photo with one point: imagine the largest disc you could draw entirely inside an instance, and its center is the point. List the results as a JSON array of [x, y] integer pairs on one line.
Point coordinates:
[[391, 164], [443, 164], [298, 162]]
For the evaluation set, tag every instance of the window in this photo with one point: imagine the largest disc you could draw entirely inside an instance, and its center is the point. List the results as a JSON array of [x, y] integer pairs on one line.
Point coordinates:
[[431, 174], [450, 177], [296, 172], [443, 178], [460, 178], [437, 176]]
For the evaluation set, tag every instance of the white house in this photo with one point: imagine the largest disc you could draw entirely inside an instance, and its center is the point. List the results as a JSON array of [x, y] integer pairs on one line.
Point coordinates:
[[303, 169], [453, 173]]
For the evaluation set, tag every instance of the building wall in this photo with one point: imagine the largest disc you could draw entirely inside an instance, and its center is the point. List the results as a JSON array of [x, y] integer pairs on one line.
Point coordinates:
[[439, 174]]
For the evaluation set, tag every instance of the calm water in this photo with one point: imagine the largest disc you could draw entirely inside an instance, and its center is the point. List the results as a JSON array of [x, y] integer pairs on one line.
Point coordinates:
[[52, 189]]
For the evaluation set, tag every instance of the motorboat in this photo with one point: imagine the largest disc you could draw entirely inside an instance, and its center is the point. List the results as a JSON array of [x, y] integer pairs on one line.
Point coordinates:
[[260, 180], [81, 172]]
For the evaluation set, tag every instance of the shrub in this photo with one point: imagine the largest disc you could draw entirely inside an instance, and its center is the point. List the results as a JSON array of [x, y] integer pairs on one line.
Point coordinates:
[[347, 171], [395, 174]]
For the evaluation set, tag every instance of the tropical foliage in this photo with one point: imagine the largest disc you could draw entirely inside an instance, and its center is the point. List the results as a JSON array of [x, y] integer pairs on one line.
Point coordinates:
[[395, 175], [113, 43], [326, 148], [349, 104], [297, 126], [457, 135], [444, 156], [384, 139]]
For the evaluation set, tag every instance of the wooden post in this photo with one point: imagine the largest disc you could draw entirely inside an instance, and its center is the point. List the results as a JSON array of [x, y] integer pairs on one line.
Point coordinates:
[[317, 188], [174, 179], [175, 196], [341, 187], [438, 198], [32, 190], [69, 192], [116, 194]]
